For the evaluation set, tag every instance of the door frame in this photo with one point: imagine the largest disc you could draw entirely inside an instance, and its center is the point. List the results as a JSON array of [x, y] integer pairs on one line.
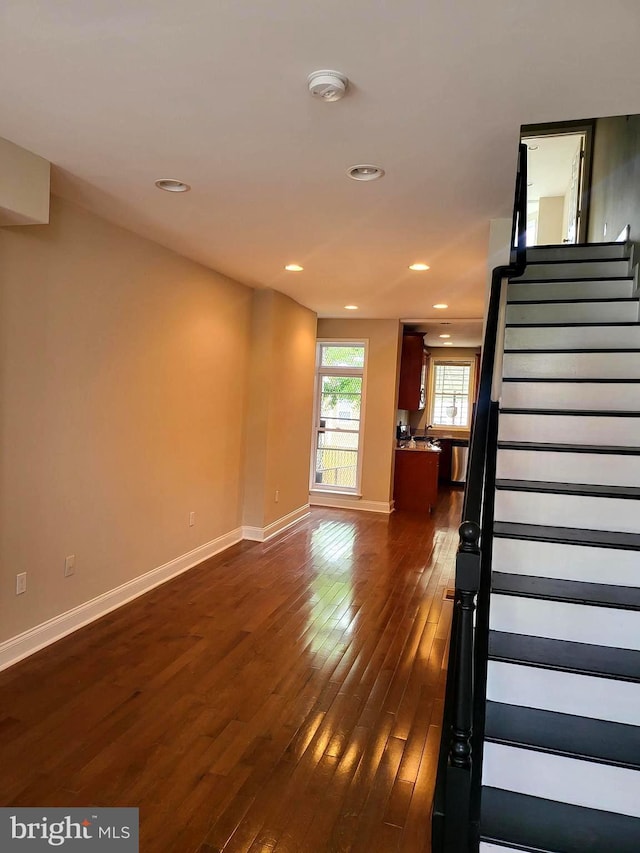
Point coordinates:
[[562, 128]]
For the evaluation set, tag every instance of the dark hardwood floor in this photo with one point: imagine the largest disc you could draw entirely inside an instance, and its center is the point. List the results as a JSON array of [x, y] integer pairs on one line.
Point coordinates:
[[277, 698]]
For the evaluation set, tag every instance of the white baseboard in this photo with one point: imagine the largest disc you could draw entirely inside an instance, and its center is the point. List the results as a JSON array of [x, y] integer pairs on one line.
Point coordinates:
[[25, 644], [261, 534], [348, 502]]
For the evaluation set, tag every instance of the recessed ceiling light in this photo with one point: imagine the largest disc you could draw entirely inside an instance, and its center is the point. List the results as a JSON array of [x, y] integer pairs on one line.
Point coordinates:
[[445, 336], [294, 268], [440, 305], [351, 307], [170, 185], [447, 344], [365, 172], [419, 267]]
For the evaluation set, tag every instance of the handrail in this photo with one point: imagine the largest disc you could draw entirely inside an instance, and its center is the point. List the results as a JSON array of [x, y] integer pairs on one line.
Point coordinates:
[[455, 815], [471, 509]]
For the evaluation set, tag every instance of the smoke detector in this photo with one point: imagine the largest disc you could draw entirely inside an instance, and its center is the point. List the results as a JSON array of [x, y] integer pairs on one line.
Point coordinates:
[[327, 85]]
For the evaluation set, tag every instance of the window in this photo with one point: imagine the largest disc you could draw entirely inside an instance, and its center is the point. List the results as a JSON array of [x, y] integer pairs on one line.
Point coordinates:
[[450, 404], [337, 429]]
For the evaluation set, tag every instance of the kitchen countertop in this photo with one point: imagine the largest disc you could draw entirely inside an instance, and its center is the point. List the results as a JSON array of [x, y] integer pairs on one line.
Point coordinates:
[[421, 449]]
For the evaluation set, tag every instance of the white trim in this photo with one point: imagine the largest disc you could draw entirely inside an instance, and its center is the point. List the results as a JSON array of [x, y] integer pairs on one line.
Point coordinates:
[[431, 390], [261, 534], [351, 495], [25, 644], [350, 502], [338, 371]]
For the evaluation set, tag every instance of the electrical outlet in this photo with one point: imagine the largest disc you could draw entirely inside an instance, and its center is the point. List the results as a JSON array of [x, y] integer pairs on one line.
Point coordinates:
[[70, 565], [21, 583], [277, 496], [192, 519]]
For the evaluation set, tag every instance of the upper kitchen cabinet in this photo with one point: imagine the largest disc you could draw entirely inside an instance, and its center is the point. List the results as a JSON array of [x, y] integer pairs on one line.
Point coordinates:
[[412, 392]]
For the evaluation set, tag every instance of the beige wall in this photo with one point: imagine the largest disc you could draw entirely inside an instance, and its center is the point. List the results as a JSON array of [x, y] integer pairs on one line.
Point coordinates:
[[381, 398], [24, 189], [280, 408], [550, 220], [123, 387]]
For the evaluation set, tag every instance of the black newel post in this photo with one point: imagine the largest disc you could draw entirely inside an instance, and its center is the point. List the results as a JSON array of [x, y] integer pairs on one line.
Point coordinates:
[[467, 583], [458, 796]]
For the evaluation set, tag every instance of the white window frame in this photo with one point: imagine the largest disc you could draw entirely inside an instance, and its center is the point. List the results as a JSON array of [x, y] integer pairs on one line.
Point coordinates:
[[431, 399], [338, 371]]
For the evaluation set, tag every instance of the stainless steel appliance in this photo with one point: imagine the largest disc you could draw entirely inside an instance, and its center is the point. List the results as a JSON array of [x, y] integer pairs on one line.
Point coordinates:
[[459, 458]]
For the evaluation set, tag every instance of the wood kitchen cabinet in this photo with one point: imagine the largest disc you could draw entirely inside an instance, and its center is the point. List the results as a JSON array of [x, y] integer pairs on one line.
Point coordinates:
[[415, 482], [412, 391]]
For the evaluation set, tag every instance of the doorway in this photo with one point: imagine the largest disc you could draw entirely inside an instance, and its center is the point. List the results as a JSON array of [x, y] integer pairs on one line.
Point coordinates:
[[558, 176]]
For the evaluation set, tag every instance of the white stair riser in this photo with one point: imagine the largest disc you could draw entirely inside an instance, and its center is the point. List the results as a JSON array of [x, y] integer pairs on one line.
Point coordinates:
[[565, 692], [569, 252], [586, 396], [556, 777], [569, 337], [573, 312], [594, 468], [566, 562], [569, 429], [586, 512], [583, 269], [563, 290], [557, 620], [571, 365]]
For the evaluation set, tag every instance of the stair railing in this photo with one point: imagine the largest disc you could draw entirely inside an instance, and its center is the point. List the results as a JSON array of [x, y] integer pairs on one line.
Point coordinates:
[[455, 818]]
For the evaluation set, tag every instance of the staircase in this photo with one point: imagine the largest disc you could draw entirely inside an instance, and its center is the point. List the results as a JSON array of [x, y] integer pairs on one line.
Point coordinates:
[[561, 763]]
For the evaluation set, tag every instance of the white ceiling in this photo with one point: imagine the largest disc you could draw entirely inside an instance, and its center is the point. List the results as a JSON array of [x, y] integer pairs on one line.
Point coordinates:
[[118, 93]]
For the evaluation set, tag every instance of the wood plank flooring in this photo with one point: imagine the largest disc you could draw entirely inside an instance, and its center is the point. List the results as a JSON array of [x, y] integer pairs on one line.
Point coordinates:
[[279, 698]]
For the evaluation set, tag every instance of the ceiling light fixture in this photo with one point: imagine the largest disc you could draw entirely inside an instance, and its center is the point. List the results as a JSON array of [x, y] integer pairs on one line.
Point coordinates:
[[294, 267], [351, 307], [327, 85], [445, 336], [365, 172], [440, 305], [419, 267], [170, 185], [447, 344]]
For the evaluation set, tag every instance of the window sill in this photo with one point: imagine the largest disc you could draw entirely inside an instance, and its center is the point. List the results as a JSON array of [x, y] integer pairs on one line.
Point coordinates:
[[355, 495]]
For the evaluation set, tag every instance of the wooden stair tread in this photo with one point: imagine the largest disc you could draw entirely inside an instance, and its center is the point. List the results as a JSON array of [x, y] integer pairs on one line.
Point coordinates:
[[579, 489], [534, 824], [578, 413], [580, 658], [552, 447], [575, 592], [563, 734], [567, 535]]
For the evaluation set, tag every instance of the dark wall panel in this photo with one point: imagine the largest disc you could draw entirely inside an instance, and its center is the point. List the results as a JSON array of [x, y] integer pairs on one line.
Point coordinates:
[[615, 194]]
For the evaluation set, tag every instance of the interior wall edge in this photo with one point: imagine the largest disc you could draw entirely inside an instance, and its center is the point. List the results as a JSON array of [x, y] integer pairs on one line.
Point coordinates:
[[262, 534]]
